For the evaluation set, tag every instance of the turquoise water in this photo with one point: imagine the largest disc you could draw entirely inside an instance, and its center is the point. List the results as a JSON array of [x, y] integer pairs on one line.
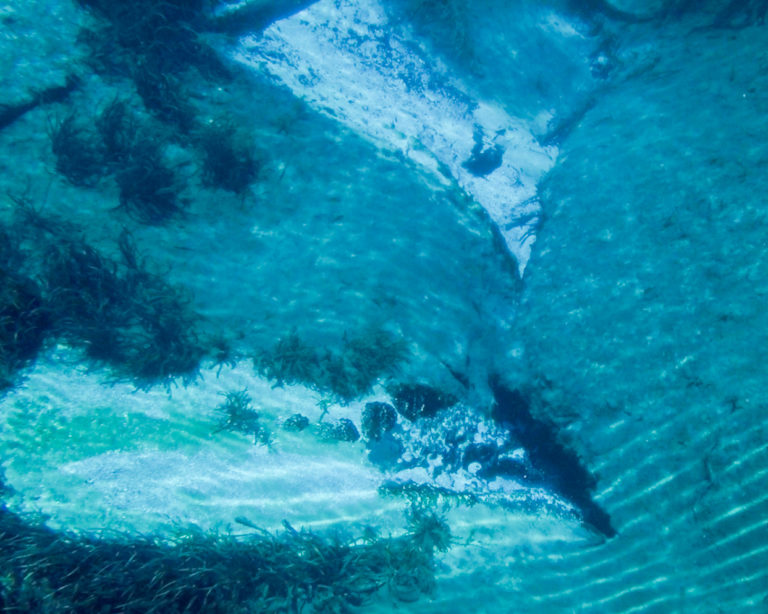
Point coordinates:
[[383, 306]]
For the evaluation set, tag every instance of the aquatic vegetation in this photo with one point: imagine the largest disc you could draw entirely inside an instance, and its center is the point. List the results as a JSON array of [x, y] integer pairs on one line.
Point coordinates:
[[229, 162], [117, 128], [291, 361], [429, 530], [239, 415], [155, 43], [165, 30], [163, 94], [120, 313], [11, 254], [33, 229], [221, 352], [123, 315], [149, 189], [24, 323], [378, 418], [427, 496], [24, 318], [341, 376], [364, 359], [79, 157], [137, 22], [414, 401], [296, 571]]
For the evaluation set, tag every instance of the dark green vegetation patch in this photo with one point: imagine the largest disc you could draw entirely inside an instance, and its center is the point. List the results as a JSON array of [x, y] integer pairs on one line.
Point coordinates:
[[23, 322], [79, 157], [239, 415], [149, 188], [120, 313], [123, 147], [229, 161], [117, 127], [159, 47], [43, 571], [113, 307], [24, 319], [362, 362], [154, 42]]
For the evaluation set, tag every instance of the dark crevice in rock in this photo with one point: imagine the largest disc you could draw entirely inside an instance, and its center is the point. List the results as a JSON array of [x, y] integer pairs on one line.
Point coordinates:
[[560, 467]]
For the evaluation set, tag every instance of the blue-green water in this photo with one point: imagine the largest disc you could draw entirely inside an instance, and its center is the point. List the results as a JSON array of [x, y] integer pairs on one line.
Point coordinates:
[[383, 306]]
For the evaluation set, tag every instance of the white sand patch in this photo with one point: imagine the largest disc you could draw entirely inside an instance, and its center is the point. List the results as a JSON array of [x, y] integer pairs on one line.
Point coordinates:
[[348, 61]]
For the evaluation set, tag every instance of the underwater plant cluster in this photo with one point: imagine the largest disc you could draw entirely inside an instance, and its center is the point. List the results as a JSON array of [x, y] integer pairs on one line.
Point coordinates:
[[109, 301], [44, 571], [144, 134], [105, 298], [113, 307]]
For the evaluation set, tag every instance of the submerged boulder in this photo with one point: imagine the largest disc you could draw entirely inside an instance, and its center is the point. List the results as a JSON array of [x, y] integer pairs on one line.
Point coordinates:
[[296, 422], [341, 430], [644, 323], [378, 419], [414, 401]]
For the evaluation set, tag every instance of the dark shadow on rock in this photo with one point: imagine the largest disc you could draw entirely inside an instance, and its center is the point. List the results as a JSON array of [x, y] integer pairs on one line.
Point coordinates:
[[560, 467], [484, 159]]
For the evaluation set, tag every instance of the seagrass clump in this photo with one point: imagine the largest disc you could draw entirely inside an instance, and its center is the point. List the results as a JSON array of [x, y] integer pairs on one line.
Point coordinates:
[[45, 571]]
